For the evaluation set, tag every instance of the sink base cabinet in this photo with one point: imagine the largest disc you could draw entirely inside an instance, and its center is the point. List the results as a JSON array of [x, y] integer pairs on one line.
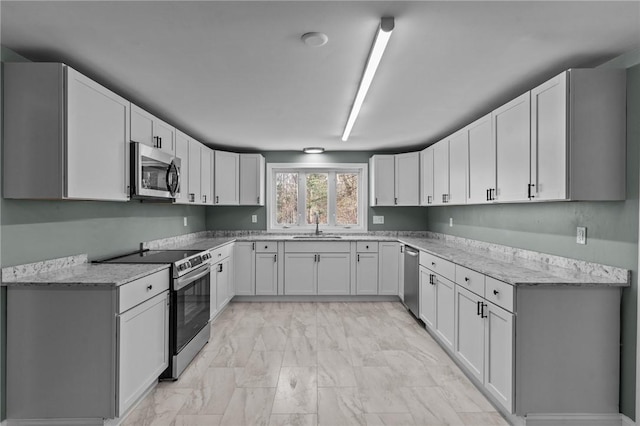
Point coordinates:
[[300, 274]]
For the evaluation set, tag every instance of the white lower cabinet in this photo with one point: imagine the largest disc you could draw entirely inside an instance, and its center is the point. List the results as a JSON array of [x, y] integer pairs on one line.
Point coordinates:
[[334, 273], [484, 343], [427, 293], [437, 297], [245, 268], [144, 348], [99, 350], [222, 286], [300, 273], [266, 265], [389, 266], [367, 273]]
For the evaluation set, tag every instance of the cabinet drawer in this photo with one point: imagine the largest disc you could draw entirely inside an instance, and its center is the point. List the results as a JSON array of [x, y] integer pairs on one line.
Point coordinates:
[[317, 247], [266, 246], [471, 280], [221, 252], [367, 246], [438, 265], [136, 292], [499, 293]]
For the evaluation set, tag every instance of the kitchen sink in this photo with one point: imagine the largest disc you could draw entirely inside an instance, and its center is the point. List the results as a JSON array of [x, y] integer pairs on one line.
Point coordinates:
[[319, 237]]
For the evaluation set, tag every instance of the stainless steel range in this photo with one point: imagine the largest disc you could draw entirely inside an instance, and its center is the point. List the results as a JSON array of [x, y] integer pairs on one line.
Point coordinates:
[[189, 302]]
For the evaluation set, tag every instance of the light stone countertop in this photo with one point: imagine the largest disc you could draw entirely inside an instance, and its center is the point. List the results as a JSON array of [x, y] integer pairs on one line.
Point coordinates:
[[503, 263], [86, 274]]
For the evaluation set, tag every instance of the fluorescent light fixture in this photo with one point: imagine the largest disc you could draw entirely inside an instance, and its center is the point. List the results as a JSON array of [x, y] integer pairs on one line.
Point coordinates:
[[379, 44], [313, 150]]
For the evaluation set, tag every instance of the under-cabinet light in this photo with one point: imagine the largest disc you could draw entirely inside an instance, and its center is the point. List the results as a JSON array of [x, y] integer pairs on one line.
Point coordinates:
[[377, 49]]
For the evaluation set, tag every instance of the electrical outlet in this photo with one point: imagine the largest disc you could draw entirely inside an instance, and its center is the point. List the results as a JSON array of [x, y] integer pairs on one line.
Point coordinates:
[[254, 218], [378, 220], [581, 235], [185, 220], [450, 221]]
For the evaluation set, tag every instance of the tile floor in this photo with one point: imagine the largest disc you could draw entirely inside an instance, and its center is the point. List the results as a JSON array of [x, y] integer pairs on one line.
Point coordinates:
[[318, 364]]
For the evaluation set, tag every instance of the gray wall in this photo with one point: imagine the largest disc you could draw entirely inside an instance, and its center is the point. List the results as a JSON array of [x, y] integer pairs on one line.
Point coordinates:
[[612, 234], [395, 218]]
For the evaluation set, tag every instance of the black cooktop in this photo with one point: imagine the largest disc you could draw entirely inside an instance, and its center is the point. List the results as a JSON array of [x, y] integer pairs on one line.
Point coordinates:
[[153, 256]]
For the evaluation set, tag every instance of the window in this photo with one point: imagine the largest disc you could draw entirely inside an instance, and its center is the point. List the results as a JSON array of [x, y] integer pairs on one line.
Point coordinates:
[[333, 195]]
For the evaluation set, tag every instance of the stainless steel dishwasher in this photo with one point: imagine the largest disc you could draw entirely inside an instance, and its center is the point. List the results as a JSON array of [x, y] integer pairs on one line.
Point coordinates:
[[411, 278]]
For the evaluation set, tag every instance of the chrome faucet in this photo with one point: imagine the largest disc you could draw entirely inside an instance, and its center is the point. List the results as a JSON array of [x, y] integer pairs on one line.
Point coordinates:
[[317, 217]]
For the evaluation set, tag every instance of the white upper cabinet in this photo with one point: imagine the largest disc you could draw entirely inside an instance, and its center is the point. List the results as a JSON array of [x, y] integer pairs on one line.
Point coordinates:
[[226, 178], [70, 129], [195, 169], [150, 130], [182, 152], [578, 136], [252, 169], [395, 179], [426, 176], [382, 169], [407, 179], [441, 172], [206, 175], [482, 161], [458, 165], [512, 137]]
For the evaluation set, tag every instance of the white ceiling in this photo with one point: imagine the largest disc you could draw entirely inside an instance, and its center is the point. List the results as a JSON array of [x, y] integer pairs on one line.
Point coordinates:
[[235, 74]]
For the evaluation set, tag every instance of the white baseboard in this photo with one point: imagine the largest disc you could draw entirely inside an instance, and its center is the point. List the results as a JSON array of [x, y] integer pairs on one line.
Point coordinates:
[[55, 422], [578, 420]]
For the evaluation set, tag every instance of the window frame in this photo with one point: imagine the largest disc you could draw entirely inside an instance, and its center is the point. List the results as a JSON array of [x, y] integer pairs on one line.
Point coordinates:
[[303, 169]]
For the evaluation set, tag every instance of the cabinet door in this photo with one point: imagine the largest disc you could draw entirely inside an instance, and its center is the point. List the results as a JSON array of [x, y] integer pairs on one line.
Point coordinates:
[[251, 179], [141, 126], [266, 274], [224, 283], [426, 176], [469, 331], [401, 273], [440, 172], [458, 164], [366, 273], [499, 332], [383, 170], [407, 179], [225, 181], [549, 139], [165, 136], [482, 161], [182, 152], [511, 124], [143, 348], [97, 141], [334, 273], [244, 260], [445, 310], [206, 179], [388, 268], [195, 165], [300, 273], [213, 279], [427, 298]]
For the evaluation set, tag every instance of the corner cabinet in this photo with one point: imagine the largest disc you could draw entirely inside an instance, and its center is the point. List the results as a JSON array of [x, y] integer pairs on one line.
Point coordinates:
[[104, 345], [252, 174], [395, 179], [69, 128], [226, 178]]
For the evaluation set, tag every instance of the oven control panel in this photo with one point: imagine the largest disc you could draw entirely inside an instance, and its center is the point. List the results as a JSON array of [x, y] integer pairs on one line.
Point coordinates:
[[192, 262]]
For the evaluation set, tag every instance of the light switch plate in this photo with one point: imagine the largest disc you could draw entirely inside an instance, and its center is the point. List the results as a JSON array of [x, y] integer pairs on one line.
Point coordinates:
[[254, 218], [378, 220], [581, 235], [185, 221]]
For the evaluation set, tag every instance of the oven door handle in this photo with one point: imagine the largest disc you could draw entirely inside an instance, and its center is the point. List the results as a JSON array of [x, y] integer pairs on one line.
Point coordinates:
[[191, 277]]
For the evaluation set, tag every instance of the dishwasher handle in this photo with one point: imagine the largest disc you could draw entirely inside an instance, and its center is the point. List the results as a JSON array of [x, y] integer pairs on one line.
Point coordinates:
[[411, 251]]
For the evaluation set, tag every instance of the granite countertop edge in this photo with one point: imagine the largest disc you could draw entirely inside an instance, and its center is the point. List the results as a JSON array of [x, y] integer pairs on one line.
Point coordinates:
[[87, 275]]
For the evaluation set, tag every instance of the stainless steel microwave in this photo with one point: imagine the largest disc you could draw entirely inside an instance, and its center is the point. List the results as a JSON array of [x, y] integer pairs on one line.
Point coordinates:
[[155, 174]]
